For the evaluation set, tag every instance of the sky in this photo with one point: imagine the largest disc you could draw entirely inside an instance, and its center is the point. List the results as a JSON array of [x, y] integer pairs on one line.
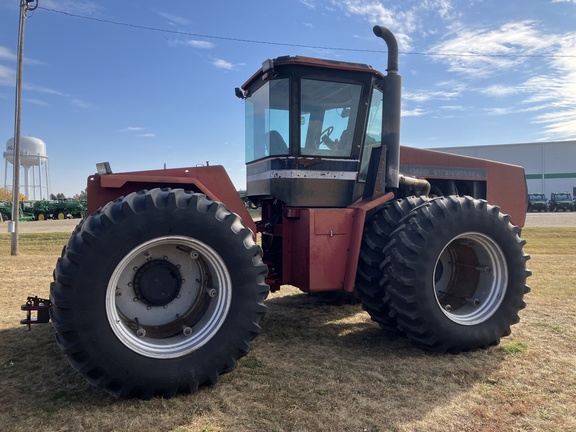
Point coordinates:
[[146, 84]]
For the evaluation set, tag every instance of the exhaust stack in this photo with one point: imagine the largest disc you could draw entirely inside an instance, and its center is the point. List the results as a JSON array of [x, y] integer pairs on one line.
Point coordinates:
[[388, 175]]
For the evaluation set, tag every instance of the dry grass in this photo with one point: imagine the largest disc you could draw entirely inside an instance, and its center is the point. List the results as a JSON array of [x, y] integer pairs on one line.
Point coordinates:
[[315, 366]]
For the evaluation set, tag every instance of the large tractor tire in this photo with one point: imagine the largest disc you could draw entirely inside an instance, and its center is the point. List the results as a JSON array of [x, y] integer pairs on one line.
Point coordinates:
[[370, 281], [158, 293], [456, 274]]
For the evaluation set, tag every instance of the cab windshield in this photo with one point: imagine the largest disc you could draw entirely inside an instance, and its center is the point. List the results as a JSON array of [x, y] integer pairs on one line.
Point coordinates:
[[562, 197], [327, 116], [328, 112]]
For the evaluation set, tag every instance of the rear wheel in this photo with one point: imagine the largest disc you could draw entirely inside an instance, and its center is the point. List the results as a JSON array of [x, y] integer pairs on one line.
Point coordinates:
[[457, 275], [370, 285], [61, 216], [158, 293]]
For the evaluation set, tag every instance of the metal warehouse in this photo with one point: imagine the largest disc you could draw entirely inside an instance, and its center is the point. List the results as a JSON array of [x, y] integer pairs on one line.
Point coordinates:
[[549, 166]]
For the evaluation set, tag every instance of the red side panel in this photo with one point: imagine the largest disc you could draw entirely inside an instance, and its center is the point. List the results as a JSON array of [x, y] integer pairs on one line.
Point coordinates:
[[505, 184], [315, 248], [213, 181]]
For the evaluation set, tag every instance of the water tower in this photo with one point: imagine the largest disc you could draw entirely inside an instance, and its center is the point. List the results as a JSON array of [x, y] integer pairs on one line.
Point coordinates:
[[34, 161]]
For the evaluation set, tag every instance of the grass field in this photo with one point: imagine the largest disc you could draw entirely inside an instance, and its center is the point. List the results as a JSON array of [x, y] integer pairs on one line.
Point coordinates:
[[314, 367]]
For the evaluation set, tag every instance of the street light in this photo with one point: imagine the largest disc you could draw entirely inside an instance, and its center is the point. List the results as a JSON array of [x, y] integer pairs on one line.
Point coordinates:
[[25, 6]]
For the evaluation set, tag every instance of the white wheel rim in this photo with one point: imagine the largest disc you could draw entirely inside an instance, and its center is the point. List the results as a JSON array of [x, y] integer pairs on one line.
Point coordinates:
[[470, 278], [180, 324]]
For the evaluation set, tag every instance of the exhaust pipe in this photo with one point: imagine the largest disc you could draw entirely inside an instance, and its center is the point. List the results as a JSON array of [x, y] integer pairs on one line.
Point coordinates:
[[392, 107], [390, 39]]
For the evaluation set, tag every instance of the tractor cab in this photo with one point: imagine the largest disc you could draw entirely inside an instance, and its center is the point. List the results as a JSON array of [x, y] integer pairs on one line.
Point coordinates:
[[310, 128]]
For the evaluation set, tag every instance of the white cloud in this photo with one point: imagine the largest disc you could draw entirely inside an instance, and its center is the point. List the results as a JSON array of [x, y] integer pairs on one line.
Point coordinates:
[[308, 4], [559, 93], [194, 43], [417, 112], [223, 64], [199, 44], [403, 20], [426, 95], [80, 7], [500, 90], [34, 101], [520, 50], [7, 54], [482, 52], [443, 8], [79, 103], [453, 107], [142, 134], [499, 111], [42, 89], [7, 75], [174, 19]]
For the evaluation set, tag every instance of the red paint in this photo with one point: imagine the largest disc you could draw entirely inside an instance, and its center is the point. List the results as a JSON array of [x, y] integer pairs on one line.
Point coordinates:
[[213, 181]]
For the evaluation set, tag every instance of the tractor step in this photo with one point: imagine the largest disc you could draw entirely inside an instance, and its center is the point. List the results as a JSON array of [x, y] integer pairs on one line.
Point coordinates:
[[42, 308]]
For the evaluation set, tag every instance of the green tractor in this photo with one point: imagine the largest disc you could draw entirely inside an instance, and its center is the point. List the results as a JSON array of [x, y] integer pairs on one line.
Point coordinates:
[[67, 209], [5, 211]]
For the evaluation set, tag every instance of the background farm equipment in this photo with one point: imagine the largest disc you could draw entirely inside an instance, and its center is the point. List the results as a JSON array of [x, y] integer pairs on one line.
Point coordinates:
[[561, 201], [537, 202]]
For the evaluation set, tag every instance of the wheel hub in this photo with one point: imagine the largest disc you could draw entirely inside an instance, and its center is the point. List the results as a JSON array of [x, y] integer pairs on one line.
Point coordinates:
[[157, 283]]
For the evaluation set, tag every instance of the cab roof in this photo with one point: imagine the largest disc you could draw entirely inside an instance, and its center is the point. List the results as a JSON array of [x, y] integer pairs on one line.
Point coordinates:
[[269, 65]]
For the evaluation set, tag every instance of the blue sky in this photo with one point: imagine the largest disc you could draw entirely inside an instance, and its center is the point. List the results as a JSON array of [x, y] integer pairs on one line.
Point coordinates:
[[474, 72]]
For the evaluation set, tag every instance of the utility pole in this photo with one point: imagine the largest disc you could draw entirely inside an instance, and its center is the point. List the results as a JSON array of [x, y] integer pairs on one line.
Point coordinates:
[[25, 6]]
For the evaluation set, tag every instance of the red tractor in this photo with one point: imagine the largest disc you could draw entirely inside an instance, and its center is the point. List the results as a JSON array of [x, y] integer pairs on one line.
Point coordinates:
[[161, 288]]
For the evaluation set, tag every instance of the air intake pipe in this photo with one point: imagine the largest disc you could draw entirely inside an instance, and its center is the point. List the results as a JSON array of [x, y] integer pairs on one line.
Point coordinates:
[[391, 110]]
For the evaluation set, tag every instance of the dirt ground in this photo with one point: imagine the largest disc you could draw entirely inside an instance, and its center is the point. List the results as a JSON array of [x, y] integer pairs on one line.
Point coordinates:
[[45, 226], [563, 219], [67, 225]]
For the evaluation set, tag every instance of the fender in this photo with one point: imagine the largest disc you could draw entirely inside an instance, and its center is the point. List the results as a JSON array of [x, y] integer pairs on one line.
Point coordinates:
[[103, 188]]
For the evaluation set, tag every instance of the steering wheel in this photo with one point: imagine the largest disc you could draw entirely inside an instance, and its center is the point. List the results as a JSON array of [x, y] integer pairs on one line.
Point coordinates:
[[326, 132]]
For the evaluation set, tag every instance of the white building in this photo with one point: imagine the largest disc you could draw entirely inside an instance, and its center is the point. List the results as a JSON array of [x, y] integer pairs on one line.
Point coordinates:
[[549, 166]]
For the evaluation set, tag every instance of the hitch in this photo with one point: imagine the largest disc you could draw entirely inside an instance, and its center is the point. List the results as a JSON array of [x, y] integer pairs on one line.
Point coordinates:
[[42, 308]]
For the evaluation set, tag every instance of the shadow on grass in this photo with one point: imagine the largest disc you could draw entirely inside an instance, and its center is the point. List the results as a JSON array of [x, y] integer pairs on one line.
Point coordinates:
[[309, 350], [342, 343], [35, 369]]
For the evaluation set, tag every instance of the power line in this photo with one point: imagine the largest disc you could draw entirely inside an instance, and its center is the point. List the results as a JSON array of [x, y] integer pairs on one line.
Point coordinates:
[[261, 42]]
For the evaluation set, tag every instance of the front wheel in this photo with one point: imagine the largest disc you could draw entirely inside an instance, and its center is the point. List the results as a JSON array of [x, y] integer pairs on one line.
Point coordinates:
[[457, 274], [158, 293]]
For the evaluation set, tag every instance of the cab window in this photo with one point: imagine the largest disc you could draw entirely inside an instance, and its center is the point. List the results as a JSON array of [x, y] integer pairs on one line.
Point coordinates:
[[267, 120], [328, 112]]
